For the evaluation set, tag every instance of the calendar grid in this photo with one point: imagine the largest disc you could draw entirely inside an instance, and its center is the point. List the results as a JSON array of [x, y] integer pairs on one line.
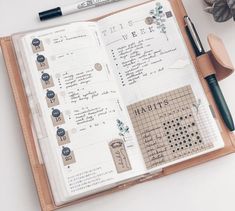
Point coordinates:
[[170, 126]]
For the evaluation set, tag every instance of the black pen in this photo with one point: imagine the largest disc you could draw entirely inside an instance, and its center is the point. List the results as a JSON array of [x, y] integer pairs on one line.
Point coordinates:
[[211, 79]]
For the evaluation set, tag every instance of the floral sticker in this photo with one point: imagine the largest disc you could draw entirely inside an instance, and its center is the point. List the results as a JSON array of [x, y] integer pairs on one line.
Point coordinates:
[[159, 18], [123, 129]]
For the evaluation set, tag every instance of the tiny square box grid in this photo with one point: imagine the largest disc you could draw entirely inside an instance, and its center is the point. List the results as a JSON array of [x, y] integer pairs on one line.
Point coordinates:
[[166, 127]]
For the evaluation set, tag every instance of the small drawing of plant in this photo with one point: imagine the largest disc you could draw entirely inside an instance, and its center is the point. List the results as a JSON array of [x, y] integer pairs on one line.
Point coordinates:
[[123, 129], [197, 105], [159, 18]]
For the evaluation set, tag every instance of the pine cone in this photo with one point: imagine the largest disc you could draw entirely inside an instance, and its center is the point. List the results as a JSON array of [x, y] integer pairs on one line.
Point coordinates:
[[222, 10]]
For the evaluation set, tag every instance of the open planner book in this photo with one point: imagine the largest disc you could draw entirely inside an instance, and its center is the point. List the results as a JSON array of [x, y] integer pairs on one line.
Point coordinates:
[[114, 99]]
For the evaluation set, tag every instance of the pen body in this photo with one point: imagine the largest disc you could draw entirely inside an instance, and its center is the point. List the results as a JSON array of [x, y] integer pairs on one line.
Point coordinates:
[[69, 9], [84, 5], [210, 78], [220, 101]]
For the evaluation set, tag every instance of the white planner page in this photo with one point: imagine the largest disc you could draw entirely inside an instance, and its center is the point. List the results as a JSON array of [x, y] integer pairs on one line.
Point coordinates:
[[159, 84], [90, 143]]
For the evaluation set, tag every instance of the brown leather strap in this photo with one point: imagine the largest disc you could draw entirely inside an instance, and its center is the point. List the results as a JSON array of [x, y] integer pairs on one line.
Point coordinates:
[[205, 65], [219, 57]]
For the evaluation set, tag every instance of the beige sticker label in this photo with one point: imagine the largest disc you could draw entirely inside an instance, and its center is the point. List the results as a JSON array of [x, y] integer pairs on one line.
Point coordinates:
[[68, 156], [58, 120], [167, 127], [37, 45], [47, 81], [98, 67], [149, 20], [41, 63], [63, 139], [119, 155], [53, 101]]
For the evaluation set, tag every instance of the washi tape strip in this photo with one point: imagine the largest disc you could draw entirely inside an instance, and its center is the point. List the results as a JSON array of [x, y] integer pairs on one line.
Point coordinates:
[[119, 155]]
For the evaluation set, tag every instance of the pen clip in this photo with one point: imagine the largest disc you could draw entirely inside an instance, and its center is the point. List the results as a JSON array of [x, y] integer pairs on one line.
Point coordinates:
[[193, 36]]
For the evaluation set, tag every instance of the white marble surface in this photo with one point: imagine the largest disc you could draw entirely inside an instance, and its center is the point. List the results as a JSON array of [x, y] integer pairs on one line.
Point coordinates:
[[208, 187]]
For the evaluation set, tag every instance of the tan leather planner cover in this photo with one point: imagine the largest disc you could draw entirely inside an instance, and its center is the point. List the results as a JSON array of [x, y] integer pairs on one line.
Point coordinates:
[[221, 65]]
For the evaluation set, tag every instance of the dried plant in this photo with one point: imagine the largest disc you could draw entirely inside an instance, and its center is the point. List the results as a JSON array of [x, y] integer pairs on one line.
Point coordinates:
[[222, 10]]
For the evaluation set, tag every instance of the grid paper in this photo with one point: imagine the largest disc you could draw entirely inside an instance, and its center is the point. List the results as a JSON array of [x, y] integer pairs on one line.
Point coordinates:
[[167, 127]]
